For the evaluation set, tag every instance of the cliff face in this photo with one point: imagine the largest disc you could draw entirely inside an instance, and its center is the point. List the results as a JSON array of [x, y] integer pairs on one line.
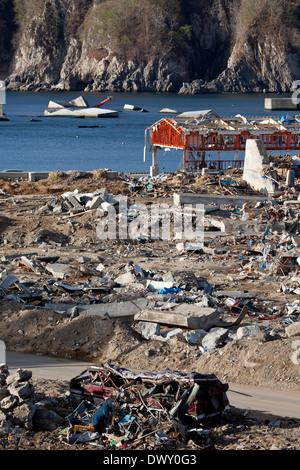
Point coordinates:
[[148, 45]]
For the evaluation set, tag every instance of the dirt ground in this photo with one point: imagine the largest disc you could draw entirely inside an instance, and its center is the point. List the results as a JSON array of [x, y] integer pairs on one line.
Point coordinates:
[[264, 360]]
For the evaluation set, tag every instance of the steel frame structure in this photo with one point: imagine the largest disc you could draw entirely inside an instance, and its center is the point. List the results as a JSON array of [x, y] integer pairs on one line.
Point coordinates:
[[202, 131]]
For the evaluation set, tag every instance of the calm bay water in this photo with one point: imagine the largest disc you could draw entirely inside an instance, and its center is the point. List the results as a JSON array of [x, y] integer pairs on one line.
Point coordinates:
[[57, 143]]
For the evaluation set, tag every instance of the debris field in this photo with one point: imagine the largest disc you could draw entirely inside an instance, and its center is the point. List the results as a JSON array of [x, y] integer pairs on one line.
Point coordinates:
[[226, 307]]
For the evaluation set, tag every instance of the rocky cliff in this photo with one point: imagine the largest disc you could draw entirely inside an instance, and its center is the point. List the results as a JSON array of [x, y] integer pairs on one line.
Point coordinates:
[[150, 45]]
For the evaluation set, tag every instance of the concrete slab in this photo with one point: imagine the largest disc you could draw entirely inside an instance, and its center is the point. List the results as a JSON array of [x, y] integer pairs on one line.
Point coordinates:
[[114, 309], [185, 316], [208, 199], [109, 310]]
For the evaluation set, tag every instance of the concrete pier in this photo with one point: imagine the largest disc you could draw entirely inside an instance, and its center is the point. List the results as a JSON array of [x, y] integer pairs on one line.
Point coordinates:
[[281, 104]]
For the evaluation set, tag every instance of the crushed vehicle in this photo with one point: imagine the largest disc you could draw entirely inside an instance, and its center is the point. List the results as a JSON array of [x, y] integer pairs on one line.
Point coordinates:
[[132, 401]]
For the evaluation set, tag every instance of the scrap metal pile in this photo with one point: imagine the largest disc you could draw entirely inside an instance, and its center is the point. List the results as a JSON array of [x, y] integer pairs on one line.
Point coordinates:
[[120, 408]]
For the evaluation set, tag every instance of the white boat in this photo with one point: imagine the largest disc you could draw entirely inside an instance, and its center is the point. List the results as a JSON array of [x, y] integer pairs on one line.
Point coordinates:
[[84, 113]]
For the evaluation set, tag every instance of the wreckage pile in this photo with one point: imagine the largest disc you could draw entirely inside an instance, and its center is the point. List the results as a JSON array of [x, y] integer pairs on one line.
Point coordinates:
[[135, 405], [112, 407]]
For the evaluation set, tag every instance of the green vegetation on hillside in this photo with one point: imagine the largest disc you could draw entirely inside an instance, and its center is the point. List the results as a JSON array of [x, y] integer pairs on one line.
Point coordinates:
[[275, 20], [136, 28]]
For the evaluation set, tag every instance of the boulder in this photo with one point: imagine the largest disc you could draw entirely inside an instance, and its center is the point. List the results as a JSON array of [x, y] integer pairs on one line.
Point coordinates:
[[215, 337]]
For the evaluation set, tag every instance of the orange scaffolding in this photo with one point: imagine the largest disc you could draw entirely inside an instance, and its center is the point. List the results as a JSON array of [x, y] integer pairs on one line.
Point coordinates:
[[204, 131]]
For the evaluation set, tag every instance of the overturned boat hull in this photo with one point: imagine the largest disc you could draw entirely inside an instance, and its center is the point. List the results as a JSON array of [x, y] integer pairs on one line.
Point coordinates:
[[81, 113]]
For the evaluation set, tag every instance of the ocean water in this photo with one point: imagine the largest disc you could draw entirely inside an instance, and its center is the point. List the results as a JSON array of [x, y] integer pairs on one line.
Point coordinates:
[[32, 142]]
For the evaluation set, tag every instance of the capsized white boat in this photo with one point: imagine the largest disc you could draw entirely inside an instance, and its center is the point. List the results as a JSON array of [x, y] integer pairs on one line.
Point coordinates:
[[79, 102], [78, 113]]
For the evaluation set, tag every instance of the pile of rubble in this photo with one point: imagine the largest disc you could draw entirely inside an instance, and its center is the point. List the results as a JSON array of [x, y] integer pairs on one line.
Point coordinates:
[[120, 407], [112, 407], [22, 409], [262, 240], [143, 301]]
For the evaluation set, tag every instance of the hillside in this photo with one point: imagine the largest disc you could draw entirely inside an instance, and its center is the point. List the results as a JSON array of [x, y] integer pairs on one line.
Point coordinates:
[[150, 45]]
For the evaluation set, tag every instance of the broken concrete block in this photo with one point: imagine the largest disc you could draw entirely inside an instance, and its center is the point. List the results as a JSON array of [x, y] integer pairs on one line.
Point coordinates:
[[293, 329], [194, 318], [195, 337], [21, 390], [21, 375], [248, 330], [3, 274], [208, 316], [213, 251], [22, 415], [58, 270], [74, 202], [148, 330], [9, 402], [103, 193], [2, 418], [94, 203], [214, 337], [125, 279], [79, 102], [168, 277], [177, 332], [73, 312]]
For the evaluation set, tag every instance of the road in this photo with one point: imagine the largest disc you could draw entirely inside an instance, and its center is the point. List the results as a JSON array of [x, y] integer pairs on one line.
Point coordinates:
[[246, 397]]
